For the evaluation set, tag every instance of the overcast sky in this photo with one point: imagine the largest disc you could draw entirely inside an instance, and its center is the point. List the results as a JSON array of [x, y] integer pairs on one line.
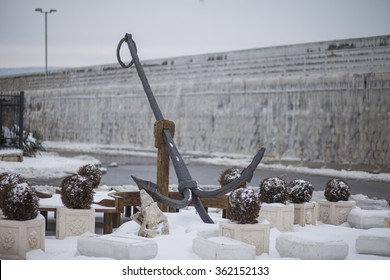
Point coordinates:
[[86, 32]]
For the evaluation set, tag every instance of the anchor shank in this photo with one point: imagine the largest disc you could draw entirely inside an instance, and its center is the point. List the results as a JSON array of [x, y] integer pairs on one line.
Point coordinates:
[[152, 101]]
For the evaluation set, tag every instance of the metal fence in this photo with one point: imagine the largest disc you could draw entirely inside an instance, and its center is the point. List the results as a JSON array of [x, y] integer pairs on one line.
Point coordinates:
[[11, 120]]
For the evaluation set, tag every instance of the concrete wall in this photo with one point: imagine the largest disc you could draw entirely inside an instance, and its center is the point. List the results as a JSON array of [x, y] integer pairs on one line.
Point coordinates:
[[327, 94]]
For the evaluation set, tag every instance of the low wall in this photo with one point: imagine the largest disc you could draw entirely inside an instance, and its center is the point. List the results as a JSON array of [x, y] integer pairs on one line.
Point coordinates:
[[331, 98]]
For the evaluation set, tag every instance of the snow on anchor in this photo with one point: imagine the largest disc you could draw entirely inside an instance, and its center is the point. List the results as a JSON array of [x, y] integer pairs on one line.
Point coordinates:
[[187, 186]]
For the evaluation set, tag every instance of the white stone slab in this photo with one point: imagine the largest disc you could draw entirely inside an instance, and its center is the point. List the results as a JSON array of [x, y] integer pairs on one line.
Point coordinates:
[[279, 215], [119, 247], [334, 213], [253, 234], [375, 241], [308, 246], [74, 222], [222, 248], [366, 219], [19, 237]]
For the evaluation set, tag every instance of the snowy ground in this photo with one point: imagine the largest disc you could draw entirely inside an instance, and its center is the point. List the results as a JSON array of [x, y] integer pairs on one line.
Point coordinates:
[[184, 225]]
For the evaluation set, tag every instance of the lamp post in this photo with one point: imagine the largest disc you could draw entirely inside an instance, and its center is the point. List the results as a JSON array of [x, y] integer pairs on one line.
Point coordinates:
[[47, 12]]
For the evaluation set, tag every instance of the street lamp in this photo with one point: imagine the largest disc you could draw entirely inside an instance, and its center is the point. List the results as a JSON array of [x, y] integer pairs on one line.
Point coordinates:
[[47, 12]]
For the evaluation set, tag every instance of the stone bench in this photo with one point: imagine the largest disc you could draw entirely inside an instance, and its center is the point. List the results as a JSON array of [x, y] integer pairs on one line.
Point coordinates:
[[366, 219], [375, 241], [119, 247], [310, 246], [210, 246]]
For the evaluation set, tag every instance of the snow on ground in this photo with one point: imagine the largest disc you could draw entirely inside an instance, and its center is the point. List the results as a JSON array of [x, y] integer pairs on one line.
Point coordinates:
[[184, 226]]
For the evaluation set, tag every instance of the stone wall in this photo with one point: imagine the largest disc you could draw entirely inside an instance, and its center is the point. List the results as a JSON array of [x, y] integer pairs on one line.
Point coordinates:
[[331, 98]]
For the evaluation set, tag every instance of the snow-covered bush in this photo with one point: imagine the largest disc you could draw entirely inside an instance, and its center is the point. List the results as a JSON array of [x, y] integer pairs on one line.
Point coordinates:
[[31, 144], [92, 172], [244, 206], [77, 192], [300, 191], [337, 190], [274, 190], [20, 202], [230, 175], [9, 180]]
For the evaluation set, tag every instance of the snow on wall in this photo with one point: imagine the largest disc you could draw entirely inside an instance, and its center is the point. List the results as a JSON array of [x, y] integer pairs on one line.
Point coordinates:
[[311, 95]]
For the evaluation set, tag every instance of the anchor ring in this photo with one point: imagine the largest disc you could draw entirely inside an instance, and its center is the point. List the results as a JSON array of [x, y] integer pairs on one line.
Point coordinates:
[[118, 56]]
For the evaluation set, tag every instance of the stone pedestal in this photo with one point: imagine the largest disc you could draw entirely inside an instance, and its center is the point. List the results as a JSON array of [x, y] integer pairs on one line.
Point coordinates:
[[305, 213], [387, 222], [366, 219], [73, 222], [19, 237], [334, 213], [253, 234], [279, 215]]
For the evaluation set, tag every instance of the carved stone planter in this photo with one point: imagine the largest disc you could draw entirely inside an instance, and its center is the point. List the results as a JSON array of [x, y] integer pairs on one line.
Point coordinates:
[[73, 222], [334, 213], [387, 222], [305, 213], [253, 234], [279, 215], [19, 237]]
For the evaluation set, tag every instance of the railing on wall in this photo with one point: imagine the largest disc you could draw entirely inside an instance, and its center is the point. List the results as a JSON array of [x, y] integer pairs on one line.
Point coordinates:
[[11, 120]]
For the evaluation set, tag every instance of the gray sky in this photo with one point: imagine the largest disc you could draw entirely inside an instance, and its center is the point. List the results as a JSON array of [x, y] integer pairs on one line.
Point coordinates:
[[86, 32]]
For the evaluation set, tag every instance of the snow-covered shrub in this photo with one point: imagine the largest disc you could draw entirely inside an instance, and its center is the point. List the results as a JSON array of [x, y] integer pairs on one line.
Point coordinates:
[[274, 190], [31, 143], [20, 202], [244, 206], [229, 175], [9, 180], [92, 172], [337, 190], [77, 192], [300, 191]]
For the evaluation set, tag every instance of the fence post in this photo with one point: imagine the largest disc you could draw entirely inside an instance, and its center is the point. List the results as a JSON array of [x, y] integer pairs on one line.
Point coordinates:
[[21, 128]]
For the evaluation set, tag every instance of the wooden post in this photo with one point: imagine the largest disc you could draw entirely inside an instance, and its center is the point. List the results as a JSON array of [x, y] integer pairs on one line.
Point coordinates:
[[162, 158]]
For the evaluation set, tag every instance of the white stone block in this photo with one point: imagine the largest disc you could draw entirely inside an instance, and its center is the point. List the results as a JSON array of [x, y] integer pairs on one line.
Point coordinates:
[[375, 241], [309, 246], [19, 237], [305, 213], [366, 219], [335, 213], [279, 215], [119, 247], [253, 234], [73, 222], [222, 248]]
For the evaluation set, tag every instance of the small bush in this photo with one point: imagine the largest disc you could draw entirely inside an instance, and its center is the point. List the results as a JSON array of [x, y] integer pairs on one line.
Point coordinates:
[[337, 190], [229, 175], [77, 192], [9, 180], [92, 172], [300, 191], [274, 190], [20, 202], [244, 206]]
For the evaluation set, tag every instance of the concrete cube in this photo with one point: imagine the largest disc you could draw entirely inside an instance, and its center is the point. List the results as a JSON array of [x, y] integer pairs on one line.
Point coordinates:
[[305, 213], [74, 222], [308, 246], [334, 213], [253, 234], [279, 215], [387, 222], [119, 247], [19, 237], [375, 241]]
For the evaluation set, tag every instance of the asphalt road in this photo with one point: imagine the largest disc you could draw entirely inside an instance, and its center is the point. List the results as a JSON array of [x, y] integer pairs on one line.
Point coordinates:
[[145, 168]]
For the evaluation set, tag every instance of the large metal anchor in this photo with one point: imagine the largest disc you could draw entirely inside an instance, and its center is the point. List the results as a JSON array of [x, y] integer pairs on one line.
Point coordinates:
[[187, 186]]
